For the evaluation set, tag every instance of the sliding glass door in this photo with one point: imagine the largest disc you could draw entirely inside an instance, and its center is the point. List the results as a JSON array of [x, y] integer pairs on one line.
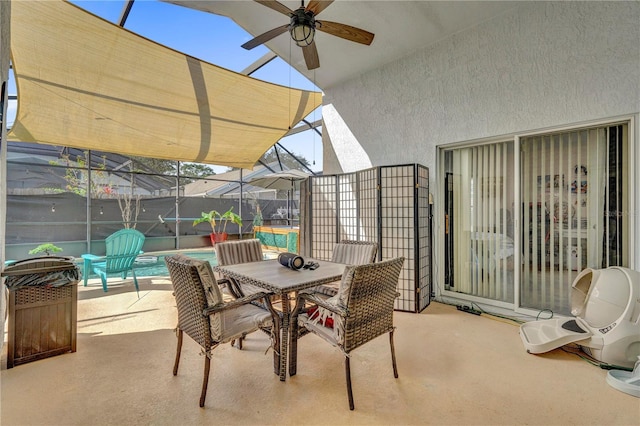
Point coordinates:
[[534, 231]]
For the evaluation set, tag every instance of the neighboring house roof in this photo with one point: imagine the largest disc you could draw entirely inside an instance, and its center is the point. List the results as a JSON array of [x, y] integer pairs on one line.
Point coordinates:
[[224, 185]]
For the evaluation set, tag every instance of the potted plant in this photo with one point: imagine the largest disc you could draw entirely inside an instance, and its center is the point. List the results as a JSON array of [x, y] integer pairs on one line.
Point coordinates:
[[218, 223], [46, 248]]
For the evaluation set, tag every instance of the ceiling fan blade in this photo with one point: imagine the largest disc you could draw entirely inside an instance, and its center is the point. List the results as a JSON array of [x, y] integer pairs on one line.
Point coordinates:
[[278, 7], [311, 56], [265, 37], [317, 6], [345, 31]]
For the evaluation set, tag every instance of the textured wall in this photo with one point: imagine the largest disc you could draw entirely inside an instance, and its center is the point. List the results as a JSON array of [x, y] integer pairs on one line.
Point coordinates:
[[544, 64]]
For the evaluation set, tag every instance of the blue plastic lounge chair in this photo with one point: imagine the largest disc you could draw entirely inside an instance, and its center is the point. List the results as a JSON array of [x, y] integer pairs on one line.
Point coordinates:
[[123, 247]]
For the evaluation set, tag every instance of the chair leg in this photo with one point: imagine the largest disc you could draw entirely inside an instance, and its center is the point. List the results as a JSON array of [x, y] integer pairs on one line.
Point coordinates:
[[233, 343], [86, 271], [349, 390], [178, 350], [103, 278], [135, 281], [205, 380], [276, 346], [393, 355]]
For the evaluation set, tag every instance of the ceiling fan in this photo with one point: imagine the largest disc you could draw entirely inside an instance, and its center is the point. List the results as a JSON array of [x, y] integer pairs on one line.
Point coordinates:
[[303, 25]]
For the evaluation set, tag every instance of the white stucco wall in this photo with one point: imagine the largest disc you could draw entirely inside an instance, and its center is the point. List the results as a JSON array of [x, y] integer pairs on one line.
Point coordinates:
[[541, 65]]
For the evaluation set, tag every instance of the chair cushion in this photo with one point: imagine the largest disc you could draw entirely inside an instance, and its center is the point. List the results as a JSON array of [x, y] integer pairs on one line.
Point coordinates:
[[314, 326], [318, 320], [210, 284], [353, 254], [344, 290], [235, 323], [242, 251], [329, 289], [350, 253], [249, 289], [313, 313]]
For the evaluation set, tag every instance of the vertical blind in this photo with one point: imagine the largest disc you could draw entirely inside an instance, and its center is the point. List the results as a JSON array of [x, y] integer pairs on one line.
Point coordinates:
[[571, 185], [481, 221]]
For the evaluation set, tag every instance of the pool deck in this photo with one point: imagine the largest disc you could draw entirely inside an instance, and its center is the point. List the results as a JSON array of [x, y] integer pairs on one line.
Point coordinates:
[[454, 369]]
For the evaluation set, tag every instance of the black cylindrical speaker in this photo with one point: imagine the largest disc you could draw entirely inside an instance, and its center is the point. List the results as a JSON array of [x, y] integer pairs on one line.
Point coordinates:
[[291, 260]]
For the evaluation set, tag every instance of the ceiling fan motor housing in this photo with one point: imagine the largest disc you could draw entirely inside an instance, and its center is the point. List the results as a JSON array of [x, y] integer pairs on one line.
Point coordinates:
[[302, 27]]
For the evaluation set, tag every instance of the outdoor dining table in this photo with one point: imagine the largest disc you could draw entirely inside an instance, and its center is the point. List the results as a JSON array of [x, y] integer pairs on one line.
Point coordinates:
[[283, 282]]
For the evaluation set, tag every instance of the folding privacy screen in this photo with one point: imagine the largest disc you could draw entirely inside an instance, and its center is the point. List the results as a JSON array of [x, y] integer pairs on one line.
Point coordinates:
[[388, 205]]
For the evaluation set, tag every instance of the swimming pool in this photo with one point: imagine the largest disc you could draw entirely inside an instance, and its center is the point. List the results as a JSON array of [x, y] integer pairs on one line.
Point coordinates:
[[152, 264]]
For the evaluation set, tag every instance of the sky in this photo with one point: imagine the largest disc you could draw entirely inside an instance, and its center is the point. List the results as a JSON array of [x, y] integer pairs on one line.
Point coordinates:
[[211, 38]]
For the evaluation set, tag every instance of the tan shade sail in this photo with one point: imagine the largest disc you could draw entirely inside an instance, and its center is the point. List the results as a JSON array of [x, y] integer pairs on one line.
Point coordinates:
[[87, 83]]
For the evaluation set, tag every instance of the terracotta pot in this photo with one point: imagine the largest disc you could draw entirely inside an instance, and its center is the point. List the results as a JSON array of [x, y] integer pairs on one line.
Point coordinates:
[[218, 237]]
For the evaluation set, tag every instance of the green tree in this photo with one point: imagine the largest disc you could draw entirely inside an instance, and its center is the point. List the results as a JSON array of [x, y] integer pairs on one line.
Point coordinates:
[[155, 165], [77, 175], [196, 170], [168, 167]]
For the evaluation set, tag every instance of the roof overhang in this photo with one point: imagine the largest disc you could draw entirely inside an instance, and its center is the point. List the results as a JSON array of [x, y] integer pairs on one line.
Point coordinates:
[[401, 28]]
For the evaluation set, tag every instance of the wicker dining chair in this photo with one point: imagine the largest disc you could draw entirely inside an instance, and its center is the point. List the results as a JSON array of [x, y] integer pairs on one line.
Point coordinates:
[[349, 252], [361, 311], [241, 251], [232, 253], [204, 315]]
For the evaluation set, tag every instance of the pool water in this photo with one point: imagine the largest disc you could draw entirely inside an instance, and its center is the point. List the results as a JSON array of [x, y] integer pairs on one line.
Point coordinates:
[[152, 265], [159, 268]]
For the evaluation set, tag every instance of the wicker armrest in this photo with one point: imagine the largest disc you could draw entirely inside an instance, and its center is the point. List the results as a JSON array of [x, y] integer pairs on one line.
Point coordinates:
[[227, 283], [231, 287], [234, 303], [319, 300]]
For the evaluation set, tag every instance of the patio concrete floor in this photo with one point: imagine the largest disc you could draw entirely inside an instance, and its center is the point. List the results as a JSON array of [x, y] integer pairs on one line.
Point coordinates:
[[454, 368]]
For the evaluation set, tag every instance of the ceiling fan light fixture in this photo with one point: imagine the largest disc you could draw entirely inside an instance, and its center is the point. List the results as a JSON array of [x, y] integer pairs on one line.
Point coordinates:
[[302, 27]]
